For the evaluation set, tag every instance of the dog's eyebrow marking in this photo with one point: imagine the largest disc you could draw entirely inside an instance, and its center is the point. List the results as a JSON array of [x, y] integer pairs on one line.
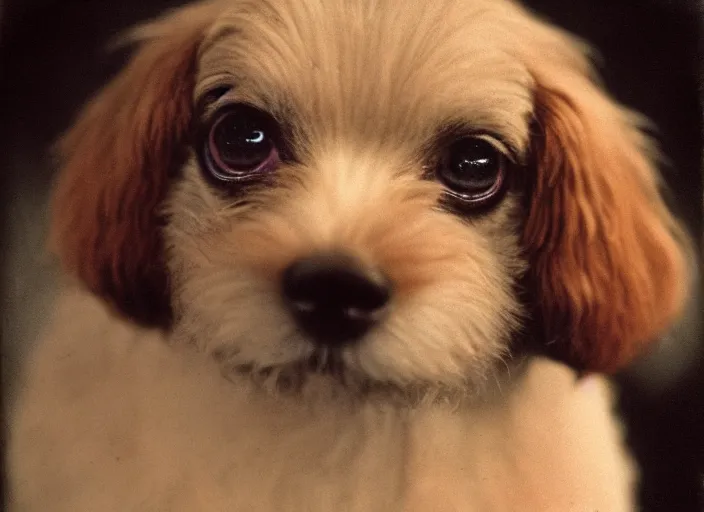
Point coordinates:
[[217, 33], [206, 104], [212, 96]]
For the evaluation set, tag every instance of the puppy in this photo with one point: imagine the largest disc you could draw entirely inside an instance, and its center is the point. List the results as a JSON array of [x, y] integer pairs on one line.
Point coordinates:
[[313, 250]]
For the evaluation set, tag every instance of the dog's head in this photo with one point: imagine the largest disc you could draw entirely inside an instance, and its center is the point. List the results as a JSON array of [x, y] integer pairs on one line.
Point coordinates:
[[391, 192]]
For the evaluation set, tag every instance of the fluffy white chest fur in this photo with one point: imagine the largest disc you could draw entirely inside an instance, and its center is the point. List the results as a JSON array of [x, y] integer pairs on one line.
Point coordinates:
[[117, 420]]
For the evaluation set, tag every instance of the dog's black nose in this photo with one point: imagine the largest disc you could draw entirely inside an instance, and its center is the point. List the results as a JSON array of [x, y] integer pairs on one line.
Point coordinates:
[[334, 298]]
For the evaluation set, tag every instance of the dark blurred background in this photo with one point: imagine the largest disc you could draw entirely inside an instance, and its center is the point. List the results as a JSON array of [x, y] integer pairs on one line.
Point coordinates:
[[52, 56]]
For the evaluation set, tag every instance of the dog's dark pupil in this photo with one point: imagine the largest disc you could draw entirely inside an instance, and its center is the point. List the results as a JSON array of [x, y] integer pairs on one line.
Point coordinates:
[[242, 141], [473, 165]]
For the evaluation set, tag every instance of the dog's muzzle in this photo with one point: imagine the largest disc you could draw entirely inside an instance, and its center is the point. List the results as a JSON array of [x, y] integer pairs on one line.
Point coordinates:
[[334, 298]]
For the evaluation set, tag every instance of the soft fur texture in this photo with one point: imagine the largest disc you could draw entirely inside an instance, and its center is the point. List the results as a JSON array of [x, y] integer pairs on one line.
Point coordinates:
[[176, 379], [117, 420]]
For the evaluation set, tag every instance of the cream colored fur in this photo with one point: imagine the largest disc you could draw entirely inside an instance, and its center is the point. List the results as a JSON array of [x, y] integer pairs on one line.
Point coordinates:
[[432, 411], [129, 423]]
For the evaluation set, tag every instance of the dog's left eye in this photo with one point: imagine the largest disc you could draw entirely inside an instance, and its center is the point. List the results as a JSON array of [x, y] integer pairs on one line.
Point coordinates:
[[472, 170], [240, 144]]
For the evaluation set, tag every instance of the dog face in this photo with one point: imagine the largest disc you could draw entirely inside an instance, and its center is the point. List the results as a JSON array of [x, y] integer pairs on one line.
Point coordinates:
[[349, 186]]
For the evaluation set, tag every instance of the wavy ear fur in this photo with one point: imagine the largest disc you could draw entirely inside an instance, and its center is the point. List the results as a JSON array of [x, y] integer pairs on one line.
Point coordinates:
[[608, 260], [117, 160]]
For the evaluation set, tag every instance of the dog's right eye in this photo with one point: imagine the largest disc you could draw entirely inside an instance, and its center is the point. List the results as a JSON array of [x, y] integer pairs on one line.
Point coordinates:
[[240, 145], [473, 171]]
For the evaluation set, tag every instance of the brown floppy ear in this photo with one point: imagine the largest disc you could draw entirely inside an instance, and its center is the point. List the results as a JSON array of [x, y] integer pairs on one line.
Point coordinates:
[[607, 258], [116, 164]]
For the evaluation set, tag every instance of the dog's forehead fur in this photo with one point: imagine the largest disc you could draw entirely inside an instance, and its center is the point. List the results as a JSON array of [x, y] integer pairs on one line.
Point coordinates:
[[372, 70]]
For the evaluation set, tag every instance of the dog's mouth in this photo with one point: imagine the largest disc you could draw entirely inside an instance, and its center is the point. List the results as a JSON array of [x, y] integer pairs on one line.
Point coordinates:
[[332, 377], [292, 376], [327, 367], [321, 361], [326, 362]]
